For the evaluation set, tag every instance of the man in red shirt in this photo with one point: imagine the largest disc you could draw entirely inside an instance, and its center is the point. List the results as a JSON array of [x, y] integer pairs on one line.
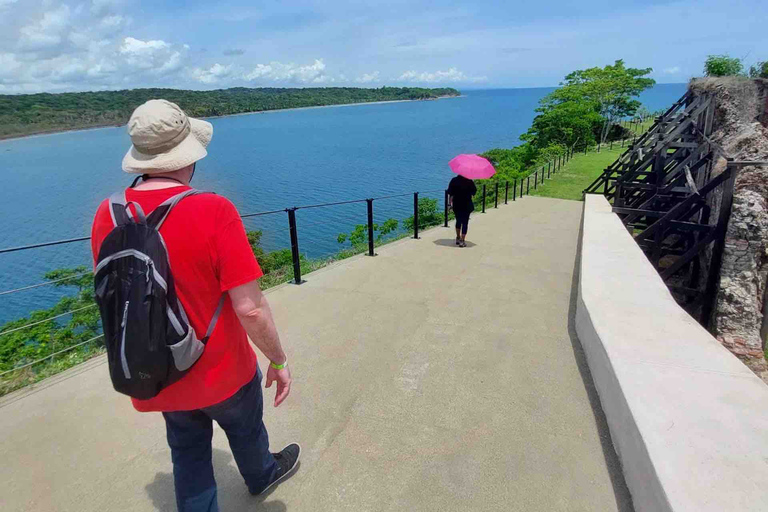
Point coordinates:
[[210, 256]]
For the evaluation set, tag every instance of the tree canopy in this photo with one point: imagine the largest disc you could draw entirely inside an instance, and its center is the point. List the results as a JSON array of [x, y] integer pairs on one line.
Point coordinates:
[[588, 101]]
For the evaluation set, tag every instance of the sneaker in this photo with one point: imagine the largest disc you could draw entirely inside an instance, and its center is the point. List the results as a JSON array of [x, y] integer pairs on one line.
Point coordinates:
[[286, 463], [458, 241], [463, 244]]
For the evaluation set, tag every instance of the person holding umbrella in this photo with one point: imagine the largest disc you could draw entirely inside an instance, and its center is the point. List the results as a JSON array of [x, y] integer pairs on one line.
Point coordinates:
[[462, 189]]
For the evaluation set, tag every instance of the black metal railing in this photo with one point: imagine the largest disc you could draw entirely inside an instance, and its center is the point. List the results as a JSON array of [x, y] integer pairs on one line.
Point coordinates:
[[488, 198]]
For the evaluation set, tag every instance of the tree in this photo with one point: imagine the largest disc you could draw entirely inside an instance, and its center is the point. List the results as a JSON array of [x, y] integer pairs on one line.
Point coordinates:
[[759, 70], [608, 92], [570, 123], [723, 65]]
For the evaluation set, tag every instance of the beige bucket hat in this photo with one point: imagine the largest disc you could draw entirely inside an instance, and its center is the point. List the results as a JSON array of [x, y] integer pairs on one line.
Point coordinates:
[[164, 139]]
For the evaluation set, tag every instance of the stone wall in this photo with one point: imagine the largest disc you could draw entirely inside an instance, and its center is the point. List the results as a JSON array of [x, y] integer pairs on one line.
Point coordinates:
[[740, 128]]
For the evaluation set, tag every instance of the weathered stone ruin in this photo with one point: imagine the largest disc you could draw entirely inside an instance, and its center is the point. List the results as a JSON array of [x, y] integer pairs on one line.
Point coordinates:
[[740, 132]]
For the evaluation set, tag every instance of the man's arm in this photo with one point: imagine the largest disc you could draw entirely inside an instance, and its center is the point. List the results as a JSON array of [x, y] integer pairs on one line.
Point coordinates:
[[255, 315]]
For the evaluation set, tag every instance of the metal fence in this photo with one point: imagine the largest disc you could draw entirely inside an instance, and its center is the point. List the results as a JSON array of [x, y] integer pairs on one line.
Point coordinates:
[[489, 195]]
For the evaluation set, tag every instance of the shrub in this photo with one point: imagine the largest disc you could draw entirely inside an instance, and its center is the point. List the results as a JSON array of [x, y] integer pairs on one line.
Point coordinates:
[[759, 70], [723, 65]]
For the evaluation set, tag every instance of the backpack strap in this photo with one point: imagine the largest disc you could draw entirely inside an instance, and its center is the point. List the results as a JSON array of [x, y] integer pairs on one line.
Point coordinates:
[[159, 214], [118, 210], [215, 319]]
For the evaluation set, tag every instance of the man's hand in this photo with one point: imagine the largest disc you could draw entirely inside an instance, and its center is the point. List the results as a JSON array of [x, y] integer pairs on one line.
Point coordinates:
[[283, 379]]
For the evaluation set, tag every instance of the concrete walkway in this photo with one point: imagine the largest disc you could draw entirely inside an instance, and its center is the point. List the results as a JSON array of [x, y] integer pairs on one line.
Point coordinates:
[[429, 378]]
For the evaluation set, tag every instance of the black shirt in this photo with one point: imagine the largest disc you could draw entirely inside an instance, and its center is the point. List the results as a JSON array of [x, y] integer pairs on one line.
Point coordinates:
[[462, 189]]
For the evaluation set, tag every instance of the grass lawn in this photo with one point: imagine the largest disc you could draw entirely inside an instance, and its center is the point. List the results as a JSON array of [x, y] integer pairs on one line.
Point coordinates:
[[582, 170], [577, 174]]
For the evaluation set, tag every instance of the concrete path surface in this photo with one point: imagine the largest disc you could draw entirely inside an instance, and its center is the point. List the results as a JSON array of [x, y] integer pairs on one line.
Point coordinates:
[[427, 378]]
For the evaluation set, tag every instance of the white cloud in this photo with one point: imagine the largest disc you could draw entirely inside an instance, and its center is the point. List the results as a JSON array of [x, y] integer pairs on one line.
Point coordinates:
[[367, 78], [672, 71], [280, 72], [213, 74], [154, 56], [48, 31], [451, 75]]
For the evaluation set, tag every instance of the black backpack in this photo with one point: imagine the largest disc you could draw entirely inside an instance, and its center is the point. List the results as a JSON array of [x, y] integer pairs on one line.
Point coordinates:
[[150, 343]]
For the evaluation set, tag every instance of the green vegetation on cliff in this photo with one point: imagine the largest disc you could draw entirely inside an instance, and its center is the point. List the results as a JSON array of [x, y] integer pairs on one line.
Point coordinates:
[[592, 106], [27, 114]]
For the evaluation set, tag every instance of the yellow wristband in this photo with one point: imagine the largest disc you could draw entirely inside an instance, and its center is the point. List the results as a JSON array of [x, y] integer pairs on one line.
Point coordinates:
[[278, 366]]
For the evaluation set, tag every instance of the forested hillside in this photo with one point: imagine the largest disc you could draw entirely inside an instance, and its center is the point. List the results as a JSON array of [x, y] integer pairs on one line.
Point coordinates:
[[27, 114]]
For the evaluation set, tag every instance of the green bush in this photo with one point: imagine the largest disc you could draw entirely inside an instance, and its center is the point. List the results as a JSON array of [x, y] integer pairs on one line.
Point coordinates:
[[723, 65], [428, 215], [358, 237], [759, 70], [42, 339]]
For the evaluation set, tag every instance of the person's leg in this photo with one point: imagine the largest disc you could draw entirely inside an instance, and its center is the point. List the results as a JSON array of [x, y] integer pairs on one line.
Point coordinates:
[[241, 419], [465, 228], [189, 435], [458, 230]]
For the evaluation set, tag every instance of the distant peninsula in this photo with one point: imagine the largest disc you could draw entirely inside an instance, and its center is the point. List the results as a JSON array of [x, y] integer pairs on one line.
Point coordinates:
[[31, 114]]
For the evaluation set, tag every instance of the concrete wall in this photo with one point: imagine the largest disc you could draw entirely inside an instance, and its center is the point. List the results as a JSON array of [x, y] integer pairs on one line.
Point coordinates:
[[688, 420]]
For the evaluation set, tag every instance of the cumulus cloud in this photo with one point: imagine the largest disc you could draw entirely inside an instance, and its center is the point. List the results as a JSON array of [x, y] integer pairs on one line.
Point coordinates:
[[367, 78], [155, 56], [53, 46], [451, 75], [291, 73], [672, 71], [65, 45], [262, 73], [213, 74], [48, 31]]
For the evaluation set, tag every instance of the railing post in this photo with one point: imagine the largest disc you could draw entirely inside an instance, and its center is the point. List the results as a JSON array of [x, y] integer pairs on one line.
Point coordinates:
[[536, 180], [528, 185], [370, 227], [483, 197], [416, 215], [496, 196], [295, 256], [446, 209], [549, 169], [522, 181], [514, 190], [506, 193]]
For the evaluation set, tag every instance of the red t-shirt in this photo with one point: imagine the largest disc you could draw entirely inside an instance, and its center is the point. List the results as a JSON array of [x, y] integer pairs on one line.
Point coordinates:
[[209, 254]]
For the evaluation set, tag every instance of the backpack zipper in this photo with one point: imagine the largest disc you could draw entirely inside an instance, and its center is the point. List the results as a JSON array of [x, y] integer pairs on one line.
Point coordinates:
[[123, 359]]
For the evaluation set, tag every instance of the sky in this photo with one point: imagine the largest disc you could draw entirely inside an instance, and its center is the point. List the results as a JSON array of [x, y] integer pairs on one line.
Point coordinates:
[[79, 45]]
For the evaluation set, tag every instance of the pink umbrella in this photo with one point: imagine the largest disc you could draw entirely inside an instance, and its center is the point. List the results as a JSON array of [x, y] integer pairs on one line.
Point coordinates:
[[473, 167]]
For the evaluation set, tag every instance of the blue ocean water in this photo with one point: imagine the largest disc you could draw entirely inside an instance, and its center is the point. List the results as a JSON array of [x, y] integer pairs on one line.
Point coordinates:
[[52, 184]]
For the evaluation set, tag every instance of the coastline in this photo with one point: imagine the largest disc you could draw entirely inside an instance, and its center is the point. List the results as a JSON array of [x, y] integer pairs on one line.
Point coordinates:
[[44, 133]]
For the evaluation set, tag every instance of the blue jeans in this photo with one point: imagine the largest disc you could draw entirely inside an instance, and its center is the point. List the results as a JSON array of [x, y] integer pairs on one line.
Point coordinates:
[[189, 436]]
